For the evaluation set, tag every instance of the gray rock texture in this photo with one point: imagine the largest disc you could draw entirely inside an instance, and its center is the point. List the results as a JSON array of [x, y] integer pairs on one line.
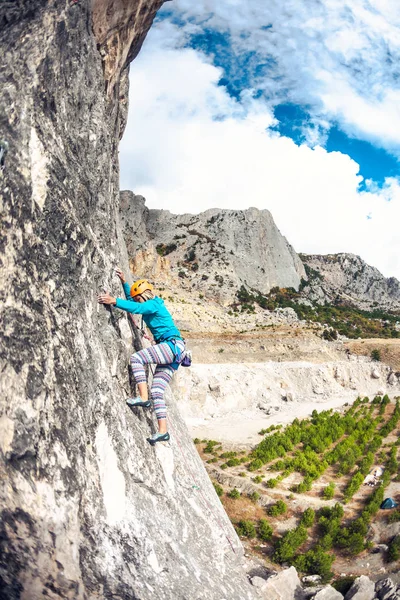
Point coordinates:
[[328, 593], [362, 589], [346, 277], [386, 589], [215, 252], [283, 586], [88, 509]]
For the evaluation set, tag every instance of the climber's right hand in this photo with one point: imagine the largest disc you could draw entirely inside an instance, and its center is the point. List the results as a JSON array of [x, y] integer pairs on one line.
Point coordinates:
[[120, 274]]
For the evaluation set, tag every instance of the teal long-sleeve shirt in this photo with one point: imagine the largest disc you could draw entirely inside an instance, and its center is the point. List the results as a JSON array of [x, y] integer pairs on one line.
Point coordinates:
[[155, 314]]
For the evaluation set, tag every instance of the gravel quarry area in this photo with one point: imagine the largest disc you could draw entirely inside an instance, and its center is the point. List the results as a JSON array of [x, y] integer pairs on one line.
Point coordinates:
[[231, 403]]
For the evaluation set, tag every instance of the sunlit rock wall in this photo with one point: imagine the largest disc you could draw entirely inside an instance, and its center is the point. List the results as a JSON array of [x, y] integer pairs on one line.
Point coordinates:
[[88, 508]]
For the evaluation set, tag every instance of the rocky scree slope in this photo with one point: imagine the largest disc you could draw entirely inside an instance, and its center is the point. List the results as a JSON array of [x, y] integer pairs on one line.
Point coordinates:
[[215, 252], [88, 508]]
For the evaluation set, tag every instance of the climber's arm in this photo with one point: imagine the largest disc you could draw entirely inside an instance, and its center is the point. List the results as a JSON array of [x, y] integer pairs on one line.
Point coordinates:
[[136, 308]]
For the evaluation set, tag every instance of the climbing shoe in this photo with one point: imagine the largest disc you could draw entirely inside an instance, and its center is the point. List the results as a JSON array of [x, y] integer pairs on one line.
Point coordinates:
[[158, 437], [138, 401]]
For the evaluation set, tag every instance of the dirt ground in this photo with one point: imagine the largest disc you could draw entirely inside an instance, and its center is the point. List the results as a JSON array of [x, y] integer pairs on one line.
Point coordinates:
[[280, 343], [389, 349]]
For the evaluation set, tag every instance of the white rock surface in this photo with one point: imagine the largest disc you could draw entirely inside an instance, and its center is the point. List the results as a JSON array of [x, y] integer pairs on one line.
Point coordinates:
[[283, 586], [328, 593], [245, 398]]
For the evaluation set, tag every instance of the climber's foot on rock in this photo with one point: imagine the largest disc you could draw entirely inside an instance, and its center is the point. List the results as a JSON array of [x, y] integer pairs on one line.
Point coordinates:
[[138, 401], [158, 437]]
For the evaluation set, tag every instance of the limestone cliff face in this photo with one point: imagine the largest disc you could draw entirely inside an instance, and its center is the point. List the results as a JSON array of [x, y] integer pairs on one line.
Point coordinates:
[[215, 252], [348, 278], [88, 509]]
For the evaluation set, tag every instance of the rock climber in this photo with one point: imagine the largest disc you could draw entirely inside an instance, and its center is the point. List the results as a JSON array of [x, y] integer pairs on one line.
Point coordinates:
[[167, 353]]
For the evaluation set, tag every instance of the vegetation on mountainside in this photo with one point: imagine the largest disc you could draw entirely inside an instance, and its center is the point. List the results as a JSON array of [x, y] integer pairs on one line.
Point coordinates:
[[345, 448], [340, 319]]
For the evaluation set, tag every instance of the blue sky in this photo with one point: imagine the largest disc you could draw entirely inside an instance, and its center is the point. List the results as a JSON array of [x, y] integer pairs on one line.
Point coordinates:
[[291, 107]]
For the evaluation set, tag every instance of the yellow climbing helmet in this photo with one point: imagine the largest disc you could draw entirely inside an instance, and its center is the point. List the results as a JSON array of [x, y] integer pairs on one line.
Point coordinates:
[[140, 286]]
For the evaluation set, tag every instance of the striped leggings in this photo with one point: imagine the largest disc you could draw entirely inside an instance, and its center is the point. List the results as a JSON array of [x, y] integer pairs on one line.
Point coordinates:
[[163, 357]]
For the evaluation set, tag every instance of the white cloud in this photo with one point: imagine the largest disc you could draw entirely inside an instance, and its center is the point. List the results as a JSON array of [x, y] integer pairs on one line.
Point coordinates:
[[356, 42], [189, 146]]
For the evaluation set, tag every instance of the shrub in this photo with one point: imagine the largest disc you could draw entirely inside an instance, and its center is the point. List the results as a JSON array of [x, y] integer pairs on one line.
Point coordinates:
[[271, 483], [219, 489], [394, 517], [353, 486], [210, 446], [246, 529], [277, 509], [330, 334], [329, 491], [234, 493], [229, 455], [308, 518], [255, 465], [265, 530], [394, 549], [376, 354], [254, 496], [233, 462], [258, 478], [164, 249]]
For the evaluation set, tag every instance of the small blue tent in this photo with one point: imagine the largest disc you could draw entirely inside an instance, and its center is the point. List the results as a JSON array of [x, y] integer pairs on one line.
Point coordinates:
[[389, 503]]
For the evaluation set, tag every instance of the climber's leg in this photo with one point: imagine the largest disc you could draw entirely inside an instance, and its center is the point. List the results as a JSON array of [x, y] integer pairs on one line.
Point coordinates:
[[162, 376]]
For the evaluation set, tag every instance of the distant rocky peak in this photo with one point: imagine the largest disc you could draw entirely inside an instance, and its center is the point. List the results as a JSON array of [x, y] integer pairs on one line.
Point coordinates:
[[215, 252], [347, 278]]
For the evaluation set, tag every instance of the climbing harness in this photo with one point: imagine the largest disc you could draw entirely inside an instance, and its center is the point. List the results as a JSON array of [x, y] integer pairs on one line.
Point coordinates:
[[3, 153]]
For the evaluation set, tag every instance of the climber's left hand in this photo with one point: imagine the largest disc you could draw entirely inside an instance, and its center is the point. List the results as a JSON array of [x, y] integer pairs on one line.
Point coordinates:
[[105, 298]]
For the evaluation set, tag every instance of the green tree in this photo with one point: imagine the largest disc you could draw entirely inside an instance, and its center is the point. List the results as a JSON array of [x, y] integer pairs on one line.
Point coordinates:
[[329, 491], [317, 562], [246, 529], [288, 544], [308, 517], [394, 549], [265, 530]]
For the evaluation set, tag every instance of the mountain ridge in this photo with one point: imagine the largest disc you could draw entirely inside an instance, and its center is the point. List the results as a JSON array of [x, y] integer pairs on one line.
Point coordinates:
[[218, 251]]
